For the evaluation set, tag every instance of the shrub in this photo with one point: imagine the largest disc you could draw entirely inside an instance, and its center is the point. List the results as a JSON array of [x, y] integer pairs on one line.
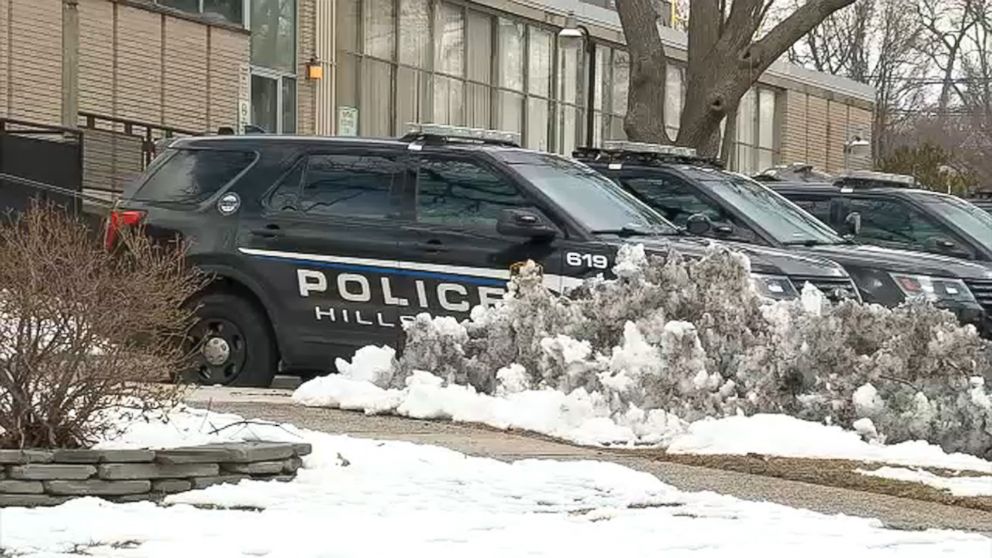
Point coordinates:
[[83, 331]]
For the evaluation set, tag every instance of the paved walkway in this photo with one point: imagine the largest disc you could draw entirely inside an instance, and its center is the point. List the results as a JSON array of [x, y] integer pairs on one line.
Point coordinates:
[[902, 513]]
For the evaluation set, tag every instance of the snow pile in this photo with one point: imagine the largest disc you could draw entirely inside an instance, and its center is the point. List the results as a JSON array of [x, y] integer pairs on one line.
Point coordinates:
[[693, 339], [957, 486], [358, 497]]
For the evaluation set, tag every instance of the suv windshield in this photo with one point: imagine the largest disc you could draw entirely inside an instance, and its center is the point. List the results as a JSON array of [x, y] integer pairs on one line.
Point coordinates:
[[973, 220], [592, 199], [779, 217]]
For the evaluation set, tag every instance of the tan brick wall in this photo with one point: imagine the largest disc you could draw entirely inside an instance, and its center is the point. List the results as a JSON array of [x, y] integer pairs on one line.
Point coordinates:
[[793, 130], [96, 56], [185, 75], [139, 56], [32, 32], [227, 52], [306, 89], [815, 130], [4, 38]]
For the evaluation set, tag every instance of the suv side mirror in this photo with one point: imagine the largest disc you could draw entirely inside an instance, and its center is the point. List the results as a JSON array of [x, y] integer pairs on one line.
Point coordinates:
[[528, 223], [853, 223], [698, 224], [949, 247]]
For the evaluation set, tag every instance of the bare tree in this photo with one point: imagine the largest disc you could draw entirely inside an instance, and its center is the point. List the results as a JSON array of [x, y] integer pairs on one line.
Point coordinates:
[[948, 24], [726, 57], [877, 42]]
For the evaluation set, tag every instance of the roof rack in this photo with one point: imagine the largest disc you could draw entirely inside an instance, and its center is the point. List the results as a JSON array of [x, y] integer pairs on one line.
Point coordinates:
[[868, 179], [617, 151], [441, 134]]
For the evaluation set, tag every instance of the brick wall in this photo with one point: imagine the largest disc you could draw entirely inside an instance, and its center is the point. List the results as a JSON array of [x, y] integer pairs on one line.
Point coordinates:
[[306, 89], [815, 130], [31, 60]]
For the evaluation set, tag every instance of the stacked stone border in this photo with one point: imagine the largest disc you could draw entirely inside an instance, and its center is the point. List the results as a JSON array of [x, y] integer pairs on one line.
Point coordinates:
[[49, 477]]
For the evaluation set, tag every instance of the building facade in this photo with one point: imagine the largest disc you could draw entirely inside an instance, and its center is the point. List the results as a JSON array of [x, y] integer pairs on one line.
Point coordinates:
[[144, 69]]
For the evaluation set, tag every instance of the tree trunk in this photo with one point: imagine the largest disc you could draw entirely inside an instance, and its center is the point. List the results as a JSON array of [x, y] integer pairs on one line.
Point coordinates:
[[645, 119], [722, 67]]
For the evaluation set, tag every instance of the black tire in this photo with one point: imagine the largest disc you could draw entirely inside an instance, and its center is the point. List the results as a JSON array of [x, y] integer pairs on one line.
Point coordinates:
[[243, 327]]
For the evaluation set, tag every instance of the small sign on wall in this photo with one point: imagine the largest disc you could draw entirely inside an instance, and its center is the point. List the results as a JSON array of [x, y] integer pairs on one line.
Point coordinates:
[[347, 121], [244, 97]]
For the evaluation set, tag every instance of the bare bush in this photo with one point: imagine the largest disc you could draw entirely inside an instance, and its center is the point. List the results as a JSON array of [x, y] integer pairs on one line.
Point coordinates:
[[84, 331]]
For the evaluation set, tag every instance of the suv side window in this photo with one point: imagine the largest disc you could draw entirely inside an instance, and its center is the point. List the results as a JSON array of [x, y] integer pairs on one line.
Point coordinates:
[[893, 222], [344, 185], [817, 207], [677, 201], [457, 192], [190, 176]]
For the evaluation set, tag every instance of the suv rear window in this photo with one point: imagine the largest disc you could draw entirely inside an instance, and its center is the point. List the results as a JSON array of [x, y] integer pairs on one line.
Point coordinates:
[[190, 176]]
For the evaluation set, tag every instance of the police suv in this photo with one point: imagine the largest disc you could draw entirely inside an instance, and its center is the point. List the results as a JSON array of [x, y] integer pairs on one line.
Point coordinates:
[[709, 201], [320, 246]]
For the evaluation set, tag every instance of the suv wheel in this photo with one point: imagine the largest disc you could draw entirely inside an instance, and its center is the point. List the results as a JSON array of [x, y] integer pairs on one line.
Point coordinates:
[[231, 342]]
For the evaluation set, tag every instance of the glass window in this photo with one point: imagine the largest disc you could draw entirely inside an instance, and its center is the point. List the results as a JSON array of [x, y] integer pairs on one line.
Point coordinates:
[[415, 33], [449, 58], [379, 23], [895, 223], [461, 193], [589, 197], [974, 221], [273, 34], [673, 99], [192, 6], [265, 103], [817, 207], [479, 65], [677, 201], [365, 186], [377, 85], [511, 55], [288, 105], [287, 192], [539, 63], [231, 10], [191, 176], [766, 119]]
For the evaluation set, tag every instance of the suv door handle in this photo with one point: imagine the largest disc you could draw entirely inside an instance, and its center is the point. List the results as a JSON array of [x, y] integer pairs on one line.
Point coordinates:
[[269, 231], [433, 246]]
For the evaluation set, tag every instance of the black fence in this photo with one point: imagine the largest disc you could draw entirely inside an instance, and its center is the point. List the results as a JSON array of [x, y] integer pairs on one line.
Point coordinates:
[[39, 163]]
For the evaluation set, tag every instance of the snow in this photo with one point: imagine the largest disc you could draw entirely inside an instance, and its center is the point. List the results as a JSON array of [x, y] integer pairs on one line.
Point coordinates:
[[957, 486], [584, 418], [359, 497]]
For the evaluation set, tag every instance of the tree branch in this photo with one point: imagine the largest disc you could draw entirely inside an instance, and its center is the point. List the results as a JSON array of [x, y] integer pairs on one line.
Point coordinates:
[[764, 52]]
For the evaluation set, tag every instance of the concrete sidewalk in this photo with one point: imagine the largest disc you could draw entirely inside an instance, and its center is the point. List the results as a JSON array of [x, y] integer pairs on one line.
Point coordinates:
[[902, 513]]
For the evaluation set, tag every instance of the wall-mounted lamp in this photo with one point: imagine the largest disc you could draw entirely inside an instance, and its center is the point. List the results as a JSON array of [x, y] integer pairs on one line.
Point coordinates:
[[314, 70], [855, 146]]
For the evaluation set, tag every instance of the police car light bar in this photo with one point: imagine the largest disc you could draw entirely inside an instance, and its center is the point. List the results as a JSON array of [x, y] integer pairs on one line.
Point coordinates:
[[648, 148], [880, 178], [463, 133]]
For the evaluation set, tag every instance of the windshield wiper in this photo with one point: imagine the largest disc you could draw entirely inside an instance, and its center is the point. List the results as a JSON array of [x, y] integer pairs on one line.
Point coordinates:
[[809, 243], [626, 232]]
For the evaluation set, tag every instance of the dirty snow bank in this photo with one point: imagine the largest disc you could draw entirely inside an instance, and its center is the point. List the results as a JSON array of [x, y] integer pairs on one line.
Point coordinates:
[[671, 340], [358, 497]]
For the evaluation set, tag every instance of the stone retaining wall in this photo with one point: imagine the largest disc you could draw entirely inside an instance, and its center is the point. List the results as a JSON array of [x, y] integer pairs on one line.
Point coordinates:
[[50, 477]]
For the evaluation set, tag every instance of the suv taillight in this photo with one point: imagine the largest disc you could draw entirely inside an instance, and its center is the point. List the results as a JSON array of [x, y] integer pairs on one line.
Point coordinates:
[[118, 220]]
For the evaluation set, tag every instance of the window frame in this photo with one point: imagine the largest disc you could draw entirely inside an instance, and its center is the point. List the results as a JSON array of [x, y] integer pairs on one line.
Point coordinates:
[[245, 11], [275, 73]]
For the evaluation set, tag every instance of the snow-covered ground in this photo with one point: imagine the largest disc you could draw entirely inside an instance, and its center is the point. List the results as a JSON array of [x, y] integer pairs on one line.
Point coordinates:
[[579, 417], [957, 485], [372, 498]]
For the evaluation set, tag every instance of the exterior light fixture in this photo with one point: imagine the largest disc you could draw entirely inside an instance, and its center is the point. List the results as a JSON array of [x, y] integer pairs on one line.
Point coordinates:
[[314, 70], [856, 144]]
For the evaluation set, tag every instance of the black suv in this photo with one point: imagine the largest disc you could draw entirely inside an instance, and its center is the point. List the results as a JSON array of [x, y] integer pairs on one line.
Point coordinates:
[[706, 200], [894, 213], [324, 245]]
